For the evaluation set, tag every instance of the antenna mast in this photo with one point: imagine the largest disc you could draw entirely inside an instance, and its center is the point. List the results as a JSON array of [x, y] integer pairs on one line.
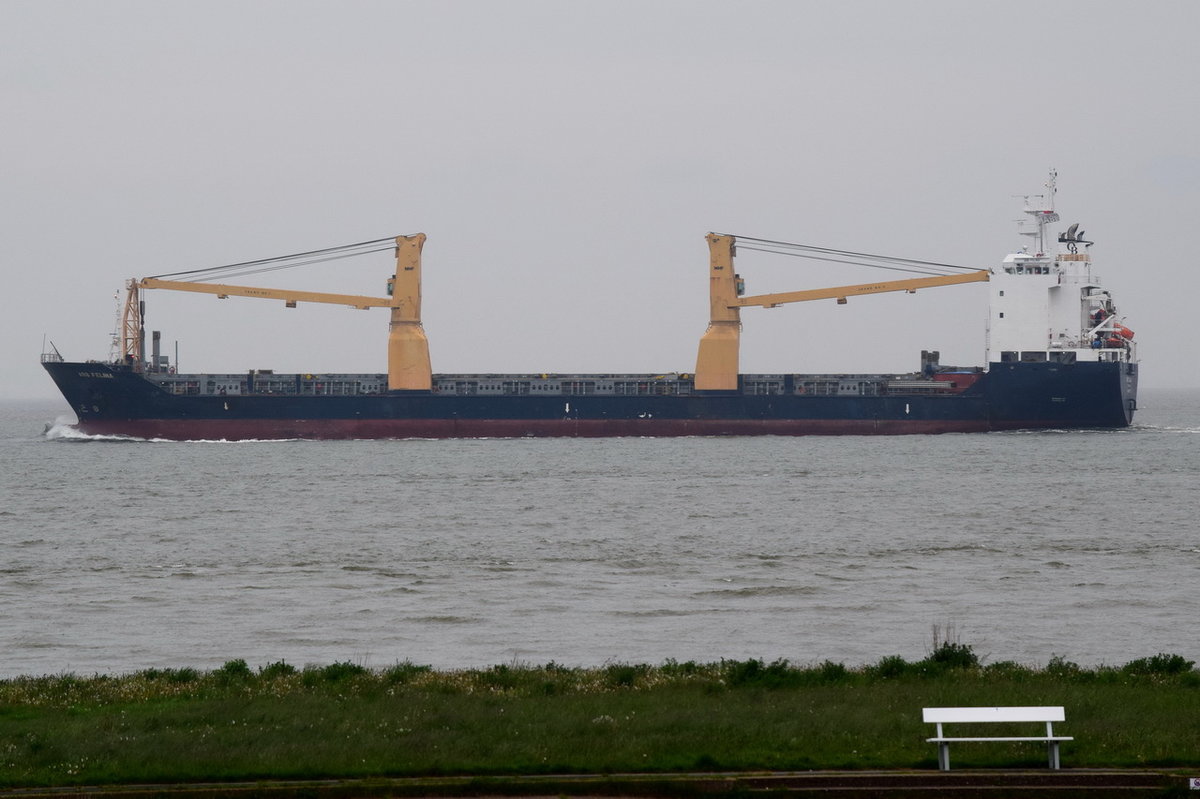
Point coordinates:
[[1041, 216]]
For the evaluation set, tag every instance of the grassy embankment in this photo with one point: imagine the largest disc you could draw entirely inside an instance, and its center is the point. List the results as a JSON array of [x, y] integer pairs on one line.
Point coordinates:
[[346, 721]]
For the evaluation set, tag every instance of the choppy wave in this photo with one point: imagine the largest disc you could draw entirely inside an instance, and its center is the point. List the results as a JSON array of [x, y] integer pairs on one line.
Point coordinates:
[[1070, 431], [1168, 428]]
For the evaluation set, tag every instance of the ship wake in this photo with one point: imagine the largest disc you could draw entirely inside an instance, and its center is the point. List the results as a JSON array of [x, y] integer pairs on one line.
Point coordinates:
[[64, 429]]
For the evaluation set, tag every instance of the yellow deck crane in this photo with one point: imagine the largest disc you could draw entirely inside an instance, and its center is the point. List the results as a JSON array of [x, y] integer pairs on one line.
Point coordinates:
[[717, 361], [408, 349]]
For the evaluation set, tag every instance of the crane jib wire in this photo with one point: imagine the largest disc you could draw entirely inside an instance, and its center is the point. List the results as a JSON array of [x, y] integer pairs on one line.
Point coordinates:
[[849, 257], [275, 268], [288, 261], [828, 259]]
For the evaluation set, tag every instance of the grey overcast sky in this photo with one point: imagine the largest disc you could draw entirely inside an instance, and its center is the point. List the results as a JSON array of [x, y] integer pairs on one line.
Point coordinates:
[[566, 160]]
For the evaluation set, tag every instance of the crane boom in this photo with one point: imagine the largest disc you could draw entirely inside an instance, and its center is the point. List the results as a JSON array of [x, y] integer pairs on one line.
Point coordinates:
[[842, 292], [408, 349], [717, 360], [290, 297]]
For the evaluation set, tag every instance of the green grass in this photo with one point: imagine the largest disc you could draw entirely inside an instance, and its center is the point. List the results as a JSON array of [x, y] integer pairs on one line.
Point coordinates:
[[343, 720]]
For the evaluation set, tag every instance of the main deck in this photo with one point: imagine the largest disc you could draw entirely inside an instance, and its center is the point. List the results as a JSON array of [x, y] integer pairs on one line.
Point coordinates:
[[562, 385]]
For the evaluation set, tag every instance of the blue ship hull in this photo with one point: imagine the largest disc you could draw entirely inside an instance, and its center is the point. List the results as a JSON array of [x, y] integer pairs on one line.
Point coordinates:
[[111, 399]]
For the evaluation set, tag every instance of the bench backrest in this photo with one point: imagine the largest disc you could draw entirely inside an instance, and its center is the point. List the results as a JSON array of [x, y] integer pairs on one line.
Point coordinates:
[[945, 715]]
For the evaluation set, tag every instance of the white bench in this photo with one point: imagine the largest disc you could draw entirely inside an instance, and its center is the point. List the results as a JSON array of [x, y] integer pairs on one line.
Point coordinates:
[[974, 715]]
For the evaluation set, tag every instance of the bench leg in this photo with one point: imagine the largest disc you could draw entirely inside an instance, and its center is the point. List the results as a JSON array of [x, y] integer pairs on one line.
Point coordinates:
[[1052, 746], [944, 757]]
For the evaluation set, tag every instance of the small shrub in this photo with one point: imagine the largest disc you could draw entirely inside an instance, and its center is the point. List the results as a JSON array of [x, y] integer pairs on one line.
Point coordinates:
[[184, 675], [889, 668], [673, 668], [1160, 664], [741, 672], [754, 672], [1008, 669], [624, 675], [833, 672], [500, 676], [333, 673], [404, 672], [233, 671], [1060, 667], [274, 671], [951, 655], [336, 672]]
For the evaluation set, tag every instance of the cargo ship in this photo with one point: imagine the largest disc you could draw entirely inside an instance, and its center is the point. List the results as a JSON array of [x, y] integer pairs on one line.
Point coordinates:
[[1058, 356]]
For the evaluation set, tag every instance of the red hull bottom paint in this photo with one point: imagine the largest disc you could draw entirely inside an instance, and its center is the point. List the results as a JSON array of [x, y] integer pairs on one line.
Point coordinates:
[[342, 429]]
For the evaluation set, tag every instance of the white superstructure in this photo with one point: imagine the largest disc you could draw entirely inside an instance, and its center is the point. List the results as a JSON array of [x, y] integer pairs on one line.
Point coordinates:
[[1051, 307]]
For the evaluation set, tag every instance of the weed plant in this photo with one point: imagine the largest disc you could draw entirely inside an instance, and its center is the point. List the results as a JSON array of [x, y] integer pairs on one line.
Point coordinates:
[[346, 721]]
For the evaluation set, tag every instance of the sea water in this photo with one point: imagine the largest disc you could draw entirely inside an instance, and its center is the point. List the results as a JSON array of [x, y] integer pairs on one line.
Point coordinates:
[[121, 555]]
